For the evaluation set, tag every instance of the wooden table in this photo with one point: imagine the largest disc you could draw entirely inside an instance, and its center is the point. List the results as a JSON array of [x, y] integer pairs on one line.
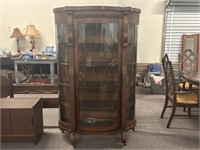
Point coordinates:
[[193, 78], [50, 61]]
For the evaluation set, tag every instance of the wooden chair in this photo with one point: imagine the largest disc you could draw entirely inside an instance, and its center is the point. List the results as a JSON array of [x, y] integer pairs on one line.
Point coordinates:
[[49, 93], [185, 99], [184, 85]]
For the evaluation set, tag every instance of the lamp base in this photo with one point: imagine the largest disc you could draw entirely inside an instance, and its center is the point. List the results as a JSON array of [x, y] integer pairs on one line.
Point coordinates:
[[32, 41], [18, 48]]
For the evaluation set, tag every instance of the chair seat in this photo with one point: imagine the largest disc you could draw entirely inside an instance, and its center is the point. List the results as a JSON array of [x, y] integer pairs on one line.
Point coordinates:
[[187, 86], [190, 98]]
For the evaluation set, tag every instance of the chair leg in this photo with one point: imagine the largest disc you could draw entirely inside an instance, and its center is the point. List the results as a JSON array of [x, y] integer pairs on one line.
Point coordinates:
[[184, 109], [189, 112], [164, 108], [172, 115]]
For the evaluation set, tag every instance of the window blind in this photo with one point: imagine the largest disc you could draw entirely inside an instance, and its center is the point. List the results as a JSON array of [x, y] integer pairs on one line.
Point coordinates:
[[179, 20]]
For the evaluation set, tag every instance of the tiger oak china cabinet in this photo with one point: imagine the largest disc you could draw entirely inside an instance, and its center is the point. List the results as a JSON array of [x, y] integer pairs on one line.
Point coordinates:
[[97, 55]]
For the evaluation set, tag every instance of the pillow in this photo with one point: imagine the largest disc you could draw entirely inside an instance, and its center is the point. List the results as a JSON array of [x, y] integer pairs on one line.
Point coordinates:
[[21, 76]]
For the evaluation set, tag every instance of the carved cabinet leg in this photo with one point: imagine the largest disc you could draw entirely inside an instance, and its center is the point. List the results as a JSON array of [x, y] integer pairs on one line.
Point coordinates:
[[123, 137], [73, 138]]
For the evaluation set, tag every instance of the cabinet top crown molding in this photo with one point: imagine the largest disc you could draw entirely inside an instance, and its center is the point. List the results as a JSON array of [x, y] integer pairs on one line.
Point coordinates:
[[96, 8]]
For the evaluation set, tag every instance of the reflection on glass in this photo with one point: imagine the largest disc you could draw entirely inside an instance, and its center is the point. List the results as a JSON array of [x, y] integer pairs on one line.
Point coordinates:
[[63, 70], [131, 71], [61, 33]]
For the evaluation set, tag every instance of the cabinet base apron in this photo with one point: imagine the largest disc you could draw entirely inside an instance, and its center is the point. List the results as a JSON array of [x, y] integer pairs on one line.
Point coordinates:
[[65, 128]]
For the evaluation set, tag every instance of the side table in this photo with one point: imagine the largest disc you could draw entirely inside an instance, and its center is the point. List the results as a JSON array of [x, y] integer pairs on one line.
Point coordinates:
[[51, 62], [21, 119]]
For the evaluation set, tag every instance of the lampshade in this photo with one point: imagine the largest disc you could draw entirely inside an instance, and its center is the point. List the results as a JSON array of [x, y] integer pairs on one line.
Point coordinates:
[[31, 31], [16, 33]]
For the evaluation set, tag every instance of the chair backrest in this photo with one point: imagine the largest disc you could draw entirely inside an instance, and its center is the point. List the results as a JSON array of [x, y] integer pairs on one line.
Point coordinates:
[[180, 66], [165, 59], [186, 63], [189, 63], [169, 77]]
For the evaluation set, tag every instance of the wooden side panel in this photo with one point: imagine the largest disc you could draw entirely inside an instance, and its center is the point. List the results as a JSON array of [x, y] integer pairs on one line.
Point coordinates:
[[5, 122]]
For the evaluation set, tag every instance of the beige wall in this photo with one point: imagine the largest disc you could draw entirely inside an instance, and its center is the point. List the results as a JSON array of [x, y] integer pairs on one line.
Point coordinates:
[[15, 13]]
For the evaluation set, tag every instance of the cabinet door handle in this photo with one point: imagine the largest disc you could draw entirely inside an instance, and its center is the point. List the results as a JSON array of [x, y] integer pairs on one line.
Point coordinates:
[[31, 121]]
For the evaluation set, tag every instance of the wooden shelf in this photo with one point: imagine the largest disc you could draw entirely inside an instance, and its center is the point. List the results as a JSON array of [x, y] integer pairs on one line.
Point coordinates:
[[99, 114]]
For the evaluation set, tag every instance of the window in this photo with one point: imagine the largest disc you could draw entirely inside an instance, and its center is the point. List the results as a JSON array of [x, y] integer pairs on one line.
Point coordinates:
[[181, 18]]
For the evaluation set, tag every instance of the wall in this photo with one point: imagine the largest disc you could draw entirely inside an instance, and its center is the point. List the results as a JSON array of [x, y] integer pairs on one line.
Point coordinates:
[[150, 29], [20, 13]]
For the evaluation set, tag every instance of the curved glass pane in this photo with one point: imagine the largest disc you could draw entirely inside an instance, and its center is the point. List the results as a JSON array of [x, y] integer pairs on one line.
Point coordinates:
[[98, 66], [131, 71], [63, 71]]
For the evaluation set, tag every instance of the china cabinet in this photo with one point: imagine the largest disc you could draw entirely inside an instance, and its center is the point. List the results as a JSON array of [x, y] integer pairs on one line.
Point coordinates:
[[97, 53]]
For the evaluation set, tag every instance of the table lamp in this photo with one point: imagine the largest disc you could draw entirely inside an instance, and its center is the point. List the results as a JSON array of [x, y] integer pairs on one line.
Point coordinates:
[[32, 32], [16, 34]]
